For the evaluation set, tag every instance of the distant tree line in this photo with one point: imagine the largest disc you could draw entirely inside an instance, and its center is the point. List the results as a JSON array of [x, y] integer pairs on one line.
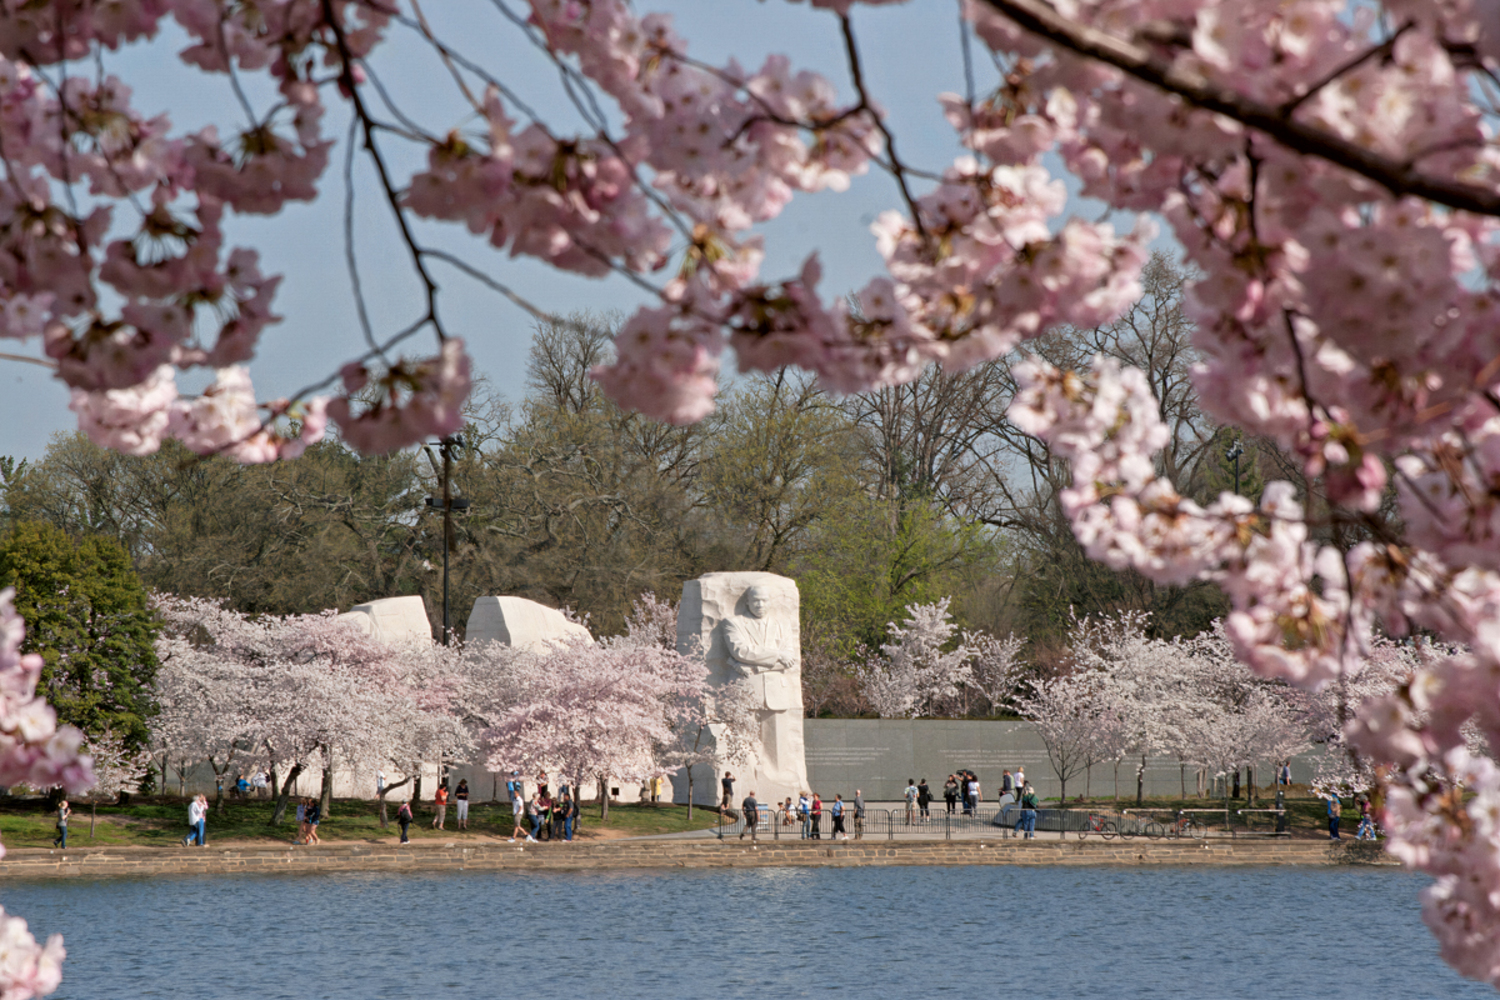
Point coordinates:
[[875, 502]]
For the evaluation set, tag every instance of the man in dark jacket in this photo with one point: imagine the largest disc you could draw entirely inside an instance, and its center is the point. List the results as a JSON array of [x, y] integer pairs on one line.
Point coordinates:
[[752, 816]]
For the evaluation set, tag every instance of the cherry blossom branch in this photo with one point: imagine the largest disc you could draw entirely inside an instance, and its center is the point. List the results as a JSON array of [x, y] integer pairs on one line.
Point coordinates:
[[350, 86], [1138, 62], [898, 170]]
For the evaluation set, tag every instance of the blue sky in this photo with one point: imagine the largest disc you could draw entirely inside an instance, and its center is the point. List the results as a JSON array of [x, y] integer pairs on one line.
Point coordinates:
[[911, 53]]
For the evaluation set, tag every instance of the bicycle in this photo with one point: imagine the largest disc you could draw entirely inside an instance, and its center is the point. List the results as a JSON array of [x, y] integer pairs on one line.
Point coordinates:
[[1186, 826], [1105, 828]]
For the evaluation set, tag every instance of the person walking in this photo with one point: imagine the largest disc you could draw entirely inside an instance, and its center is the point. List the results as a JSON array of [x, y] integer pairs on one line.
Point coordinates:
[[911, 800], [1008, 784], [403, 819], [751, 810], [241, 787], [301, 822], [1335, 810], [726, 785], [314, 817], [924, 801], [837, 811], [1028, 811], [461, 803], [950, 792], [817, 817], [195, 823], [859, 815], [440, 806], [515, 788], [63, 812], [1020, 781], [804, 813]]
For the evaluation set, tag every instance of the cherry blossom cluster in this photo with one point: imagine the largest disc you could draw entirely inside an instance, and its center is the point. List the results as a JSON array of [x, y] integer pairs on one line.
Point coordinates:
[[121, 305], [1353, 327], [34, 751]]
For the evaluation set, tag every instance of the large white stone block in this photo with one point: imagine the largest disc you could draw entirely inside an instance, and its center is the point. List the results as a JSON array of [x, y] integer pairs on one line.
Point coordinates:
[[392, 619], [747, 628], [522, 624]]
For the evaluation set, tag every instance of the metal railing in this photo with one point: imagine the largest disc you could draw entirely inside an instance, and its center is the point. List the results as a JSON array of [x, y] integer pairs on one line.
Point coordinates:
[[777, 824]]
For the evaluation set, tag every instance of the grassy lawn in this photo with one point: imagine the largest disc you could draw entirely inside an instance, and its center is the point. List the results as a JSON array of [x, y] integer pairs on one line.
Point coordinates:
[[162, 822]]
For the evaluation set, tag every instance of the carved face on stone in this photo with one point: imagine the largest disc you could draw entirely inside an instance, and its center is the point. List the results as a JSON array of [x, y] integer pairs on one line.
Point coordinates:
[[757, 602]]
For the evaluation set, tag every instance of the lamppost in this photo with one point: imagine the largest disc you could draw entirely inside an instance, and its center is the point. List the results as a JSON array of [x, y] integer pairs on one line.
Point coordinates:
[[447, 503], [1233, 454]]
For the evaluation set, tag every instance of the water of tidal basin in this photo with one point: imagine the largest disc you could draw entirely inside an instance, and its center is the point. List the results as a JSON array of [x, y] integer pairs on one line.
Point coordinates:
[[766, 933]]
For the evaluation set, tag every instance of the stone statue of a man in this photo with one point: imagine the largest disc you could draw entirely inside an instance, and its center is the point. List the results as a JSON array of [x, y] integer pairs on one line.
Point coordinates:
[[762, 652], [745, 626]]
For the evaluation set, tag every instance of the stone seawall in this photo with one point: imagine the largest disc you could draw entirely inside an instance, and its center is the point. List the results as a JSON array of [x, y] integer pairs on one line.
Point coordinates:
[[644, 854]]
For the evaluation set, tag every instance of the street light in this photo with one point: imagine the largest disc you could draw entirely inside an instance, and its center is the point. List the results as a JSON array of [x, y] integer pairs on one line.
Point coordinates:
[[447, 503], [1233, 454]]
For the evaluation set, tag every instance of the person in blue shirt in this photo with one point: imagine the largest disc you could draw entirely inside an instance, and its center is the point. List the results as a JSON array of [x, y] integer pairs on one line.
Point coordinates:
[[837, 809]]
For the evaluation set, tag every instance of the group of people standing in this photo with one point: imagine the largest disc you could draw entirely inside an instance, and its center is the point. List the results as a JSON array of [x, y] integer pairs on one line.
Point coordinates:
[[808, 810], [309, 815], [545, 817]]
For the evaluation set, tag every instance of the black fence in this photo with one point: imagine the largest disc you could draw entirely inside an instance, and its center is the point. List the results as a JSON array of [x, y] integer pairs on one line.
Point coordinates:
[[898, 824]]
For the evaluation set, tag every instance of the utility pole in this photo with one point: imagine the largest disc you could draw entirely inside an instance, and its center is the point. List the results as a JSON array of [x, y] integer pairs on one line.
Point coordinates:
[[1233, 454], [447, 503]]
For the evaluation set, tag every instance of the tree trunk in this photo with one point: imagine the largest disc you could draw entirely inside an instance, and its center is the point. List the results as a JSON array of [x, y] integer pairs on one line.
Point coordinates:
[[1236, 783], [93, 811], [416, 787], [326, 794], [1088, 782], [1140, 782], [1117, 781], [1182, 774], [383, 793], [1250, 783], [690, 793], [284, 794], [603, 799]]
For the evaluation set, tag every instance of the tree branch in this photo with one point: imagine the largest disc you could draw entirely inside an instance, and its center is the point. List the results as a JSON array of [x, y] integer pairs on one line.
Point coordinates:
[[1138, 62]]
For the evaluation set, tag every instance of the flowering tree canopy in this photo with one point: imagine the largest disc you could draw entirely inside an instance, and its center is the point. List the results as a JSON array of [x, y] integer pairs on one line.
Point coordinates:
[[1331, 171], [914, 672]]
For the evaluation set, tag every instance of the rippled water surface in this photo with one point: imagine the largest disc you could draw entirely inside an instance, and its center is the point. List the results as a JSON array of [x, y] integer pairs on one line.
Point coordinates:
[[887, 932]]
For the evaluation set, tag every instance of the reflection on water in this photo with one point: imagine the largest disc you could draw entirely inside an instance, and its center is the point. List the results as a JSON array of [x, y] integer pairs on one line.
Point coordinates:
[[768, 934]]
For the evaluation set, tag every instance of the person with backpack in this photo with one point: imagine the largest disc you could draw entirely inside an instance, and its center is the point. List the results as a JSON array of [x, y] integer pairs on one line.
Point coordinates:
[[804, 813], [1028, 811], [403, 818], [924, 801], [911, 800]]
